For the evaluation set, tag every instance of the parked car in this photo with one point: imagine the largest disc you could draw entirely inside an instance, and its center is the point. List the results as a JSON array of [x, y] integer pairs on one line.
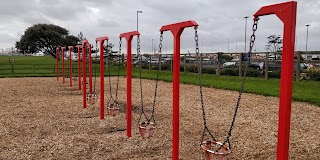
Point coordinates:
[[229, 64], [276, 65]]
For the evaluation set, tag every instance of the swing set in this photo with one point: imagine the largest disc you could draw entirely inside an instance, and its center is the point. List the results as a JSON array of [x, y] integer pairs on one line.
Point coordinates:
[[211, 147]]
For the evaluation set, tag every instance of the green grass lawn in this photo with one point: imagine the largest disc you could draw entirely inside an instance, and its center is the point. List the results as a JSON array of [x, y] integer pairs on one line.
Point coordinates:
[[306, 91]]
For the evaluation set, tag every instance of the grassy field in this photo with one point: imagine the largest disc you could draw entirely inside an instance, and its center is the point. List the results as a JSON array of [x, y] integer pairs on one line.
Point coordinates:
[[306, 91]]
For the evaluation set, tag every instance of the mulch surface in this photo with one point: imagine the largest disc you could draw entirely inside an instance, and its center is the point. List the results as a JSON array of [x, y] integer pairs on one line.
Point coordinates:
[[41, 118]]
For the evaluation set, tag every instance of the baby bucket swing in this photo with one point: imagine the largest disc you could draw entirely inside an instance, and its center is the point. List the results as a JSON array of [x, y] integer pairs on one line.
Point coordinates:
[[93, 96], [214, 150], [113, 106], [148, 126]]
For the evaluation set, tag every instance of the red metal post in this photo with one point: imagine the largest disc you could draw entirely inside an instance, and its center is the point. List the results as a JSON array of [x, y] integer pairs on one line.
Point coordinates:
[[57, 63], [84, 74], [79, 66], [101, 49], [62, 57], [128, 36], [176, 30], [286, 12], [90, 68], [70, 65]]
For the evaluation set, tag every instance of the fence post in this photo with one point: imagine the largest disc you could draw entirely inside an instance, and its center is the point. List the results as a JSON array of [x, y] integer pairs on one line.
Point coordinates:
[[160, 65], [185, 63], [122, 59], [150, 62], [107, 63], [298, 66], [240, 64], [171, 63], [200, 63], [218, 71], [33, 68], [12, 69], [266, 66]]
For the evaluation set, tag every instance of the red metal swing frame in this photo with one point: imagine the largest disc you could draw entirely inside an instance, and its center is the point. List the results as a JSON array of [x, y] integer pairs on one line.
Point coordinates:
[[128, 36], [286, 12], [101, 41], [62, 57], [79, 47], [70, 64], [57, 63], [176, 30], [84, 74]]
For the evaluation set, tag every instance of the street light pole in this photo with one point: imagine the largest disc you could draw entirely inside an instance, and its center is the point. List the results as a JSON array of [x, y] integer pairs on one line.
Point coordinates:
[[138, 27], [307, 40], [245, 34]]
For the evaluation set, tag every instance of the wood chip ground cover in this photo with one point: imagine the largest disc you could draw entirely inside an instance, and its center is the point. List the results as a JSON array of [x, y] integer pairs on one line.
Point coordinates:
[[41, 118]]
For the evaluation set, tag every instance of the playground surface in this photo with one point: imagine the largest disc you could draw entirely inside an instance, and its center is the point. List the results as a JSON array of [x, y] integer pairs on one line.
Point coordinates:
[[41, 118]]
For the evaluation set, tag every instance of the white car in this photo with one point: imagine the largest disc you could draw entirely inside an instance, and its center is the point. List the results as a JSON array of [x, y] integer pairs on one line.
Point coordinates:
[[229, 64]]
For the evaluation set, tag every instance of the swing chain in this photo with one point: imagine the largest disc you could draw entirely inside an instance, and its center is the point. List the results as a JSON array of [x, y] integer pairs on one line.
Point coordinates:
[[156, 87], [109, 72], [252, 41], [117, 86], [140, 77], [157, 80], [196, 38]]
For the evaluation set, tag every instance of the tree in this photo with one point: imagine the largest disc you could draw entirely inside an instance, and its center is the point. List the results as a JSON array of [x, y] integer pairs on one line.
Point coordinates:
[[81, 37], [224, 56], [46, 38], [274, 43]]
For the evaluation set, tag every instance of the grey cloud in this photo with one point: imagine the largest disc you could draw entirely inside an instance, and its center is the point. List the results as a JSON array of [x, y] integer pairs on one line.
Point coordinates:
[[219, 20]]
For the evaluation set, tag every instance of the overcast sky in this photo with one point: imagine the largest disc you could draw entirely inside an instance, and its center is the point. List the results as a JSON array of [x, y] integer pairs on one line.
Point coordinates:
[[219, 21]]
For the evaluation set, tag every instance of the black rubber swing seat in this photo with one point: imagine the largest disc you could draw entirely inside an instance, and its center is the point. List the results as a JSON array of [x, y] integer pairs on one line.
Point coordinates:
[[113, 109], [146, 129], [211, 150]]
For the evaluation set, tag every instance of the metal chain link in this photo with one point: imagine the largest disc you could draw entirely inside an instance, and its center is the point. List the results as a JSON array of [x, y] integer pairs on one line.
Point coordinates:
[[87, 68], [196, 38], [109, 73], [157, 80], [140, 78], [95, 70], [252, 40], [156, 85], [118, 75]]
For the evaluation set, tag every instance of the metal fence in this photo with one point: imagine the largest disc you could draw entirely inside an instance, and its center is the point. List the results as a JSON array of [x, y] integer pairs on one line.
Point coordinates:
[[211, 63]]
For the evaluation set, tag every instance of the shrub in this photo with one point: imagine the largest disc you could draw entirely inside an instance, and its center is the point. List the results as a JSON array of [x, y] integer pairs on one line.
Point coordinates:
[[229, 72], [274, 74], [208, 70], [192, 68], [235, 72], [313, 73]]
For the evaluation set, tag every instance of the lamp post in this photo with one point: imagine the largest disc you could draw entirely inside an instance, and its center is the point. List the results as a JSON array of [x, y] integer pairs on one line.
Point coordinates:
[[151, 46], [307, 40], [138, 26], [245, 34]]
